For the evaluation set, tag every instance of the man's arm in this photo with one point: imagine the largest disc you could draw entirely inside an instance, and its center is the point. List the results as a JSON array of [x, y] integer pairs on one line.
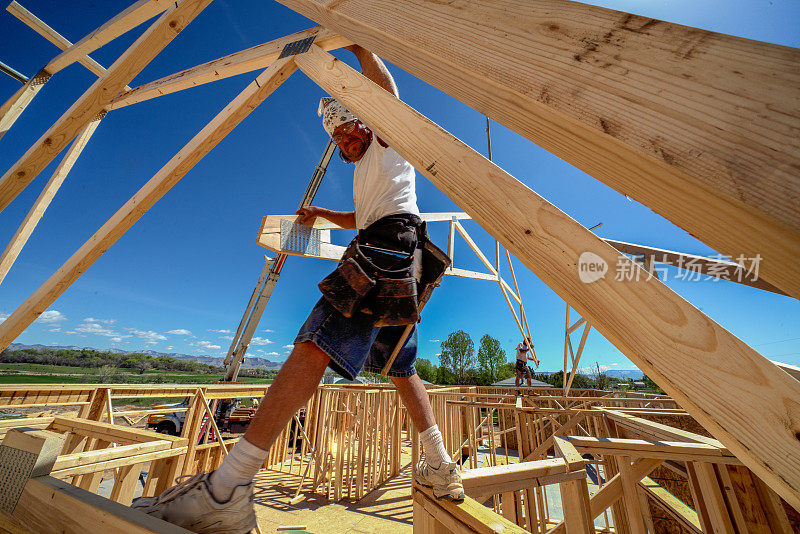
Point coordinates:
[[345, 219], [373, 68]]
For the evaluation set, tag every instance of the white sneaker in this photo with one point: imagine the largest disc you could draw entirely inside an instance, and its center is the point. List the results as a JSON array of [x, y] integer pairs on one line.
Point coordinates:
[[191, 505], [445, 480]]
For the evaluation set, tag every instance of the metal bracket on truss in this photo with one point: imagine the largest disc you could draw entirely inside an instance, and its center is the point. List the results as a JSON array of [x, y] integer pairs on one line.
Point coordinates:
[[297, 47]]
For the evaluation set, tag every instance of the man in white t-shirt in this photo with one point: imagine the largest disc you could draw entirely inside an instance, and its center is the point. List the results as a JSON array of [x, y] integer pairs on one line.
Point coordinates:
[[521, 369], [387, 218]]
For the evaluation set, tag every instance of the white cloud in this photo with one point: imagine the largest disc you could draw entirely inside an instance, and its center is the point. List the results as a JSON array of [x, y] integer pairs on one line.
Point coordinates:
[[104, 321], [50, 317], [288, 346], [269, 331], [116, 339], [221, 331], [4, 316], [260, 341], [169, 348], [180, 332], [434, 341], [614, 364], [96, 329], [273, 354], [206, 345], [56, 329], [148, 335], [229, 338]]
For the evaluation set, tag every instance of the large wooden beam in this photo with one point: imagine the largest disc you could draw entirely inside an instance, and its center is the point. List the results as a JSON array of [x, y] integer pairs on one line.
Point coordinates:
[[86, 108], [145, 198], [700, 127], [51, 506], [743, 399], [257, 57]]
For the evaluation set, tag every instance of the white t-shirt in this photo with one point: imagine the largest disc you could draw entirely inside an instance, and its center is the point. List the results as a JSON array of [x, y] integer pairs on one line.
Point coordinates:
[[522, 352], [383, 184]]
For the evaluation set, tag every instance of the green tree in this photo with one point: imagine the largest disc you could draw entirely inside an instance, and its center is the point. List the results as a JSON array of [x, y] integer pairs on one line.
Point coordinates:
[[425, 369], [458, 355], [506, 371], [490, 358]]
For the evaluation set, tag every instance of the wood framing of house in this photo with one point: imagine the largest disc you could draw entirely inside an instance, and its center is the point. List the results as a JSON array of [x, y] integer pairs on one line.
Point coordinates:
[[645, 106]]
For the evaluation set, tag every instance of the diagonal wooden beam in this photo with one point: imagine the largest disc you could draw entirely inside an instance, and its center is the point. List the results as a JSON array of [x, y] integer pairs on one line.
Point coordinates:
[[145, 198], [36, 212], [699, 126], [130, 18], [701, 365], [611, 491], [39, 26], [257, 57], [125, 21], [87, 107], [701, 265]]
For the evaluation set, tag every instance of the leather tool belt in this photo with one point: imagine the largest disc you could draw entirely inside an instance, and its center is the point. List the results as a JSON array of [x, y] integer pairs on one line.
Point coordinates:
[[388, 284]]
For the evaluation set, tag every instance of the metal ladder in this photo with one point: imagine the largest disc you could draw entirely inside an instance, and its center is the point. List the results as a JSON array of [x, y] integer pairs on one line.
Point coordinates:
[[266, 282]]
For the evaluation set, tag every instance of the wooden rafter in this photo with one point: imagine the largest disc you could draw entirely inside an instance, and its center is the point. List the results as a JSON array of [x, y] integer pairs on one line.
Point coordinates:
[[145, 198], [656, 329], [711, 267], [257, 57], [126, 20], [87, 107], [36, 212], [51, 35], [699, 126]]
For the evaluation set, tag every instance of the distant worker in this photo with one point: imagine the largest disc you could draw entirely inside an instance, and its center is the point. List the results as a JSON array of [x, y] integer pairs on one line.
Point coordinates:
[[366, 303], [522, 370]]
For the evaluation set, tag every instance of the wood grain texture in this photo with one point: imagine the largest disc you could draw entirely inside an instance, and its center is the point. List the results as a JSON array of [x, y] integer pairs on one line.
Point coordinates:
[[701, 127], [86, 108], [745, 401], [145, 198], [50, 506]]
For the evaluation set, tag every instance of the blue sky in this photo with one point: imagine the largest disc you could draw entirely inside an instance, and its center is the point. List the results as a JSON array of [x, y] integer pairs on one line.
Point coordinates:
[[178, 281]]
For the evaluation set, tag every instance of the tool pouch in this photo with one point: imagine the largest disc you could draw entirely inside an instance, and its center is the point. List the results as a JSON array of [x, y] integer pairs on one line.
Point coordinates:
[[347, 286], [396, 302]]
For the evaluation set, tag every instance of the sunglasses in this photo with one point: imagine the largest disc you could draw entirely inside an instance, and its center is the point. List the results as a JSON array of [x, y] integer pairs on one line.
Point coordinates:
[[348, 128]]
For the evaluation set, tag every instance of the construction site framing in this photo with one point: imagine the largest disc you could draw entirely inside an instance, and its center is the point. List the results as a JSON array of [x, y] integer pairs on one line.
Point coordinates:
[[646, 106]]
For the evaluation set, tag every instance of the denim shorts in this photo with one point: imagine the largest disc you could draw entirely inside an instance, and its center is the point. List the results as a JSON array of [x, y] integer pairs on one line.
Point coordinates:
[[354, 343]]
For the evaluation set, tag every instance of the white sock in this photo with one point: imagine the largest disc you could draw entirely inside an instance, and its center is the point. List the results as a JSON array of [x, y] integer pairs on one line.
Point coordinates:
[[237, 469], [433, 445]]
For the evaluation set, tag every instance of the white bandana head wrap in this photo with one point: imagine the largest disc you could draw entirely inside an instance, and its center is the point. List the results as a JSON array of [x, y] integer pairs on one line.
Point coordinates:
[[333, 114]]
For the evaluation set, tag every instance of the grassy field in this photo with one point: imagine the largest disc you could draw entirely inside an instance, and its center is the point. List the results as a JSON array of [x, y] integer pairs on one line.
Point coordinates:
[[32, 373]]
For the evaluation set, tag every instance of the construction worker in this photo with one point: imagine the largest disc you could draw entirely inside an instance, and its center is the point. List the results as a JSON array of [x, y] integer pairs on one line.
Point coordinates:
[[521, 370], [387, 219]]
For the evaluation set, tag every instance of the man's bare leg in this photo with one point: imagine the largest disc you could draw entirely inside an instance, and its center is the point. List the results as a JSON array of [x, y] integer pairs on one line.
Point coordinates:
[[294, 385], [296, 382], [438, 470], [415, 399]]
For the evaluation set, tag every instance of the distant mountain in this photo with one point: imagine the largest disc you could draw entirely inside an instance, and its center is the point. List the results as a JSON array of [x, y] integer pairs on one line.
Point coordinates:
[[250, 362], [624, 374]]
